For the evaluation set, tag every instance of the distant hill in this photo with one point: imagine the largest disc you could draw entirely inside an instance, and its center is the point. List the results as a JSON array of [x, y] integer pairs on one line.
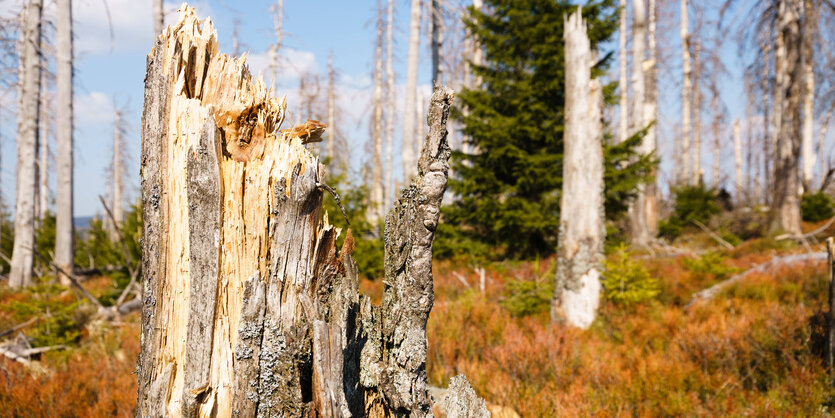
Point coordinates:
[[82, 223]]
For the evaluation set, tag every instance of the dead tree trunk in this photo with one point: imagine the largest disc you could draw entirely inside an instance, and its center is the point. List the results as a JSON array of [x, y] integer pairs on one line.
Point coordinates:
[[740, 179], [686, 93], [807, 52], [248, 306], [20, 274], [623, 118], [697, 114], [390, 109], [43, 152], [437, 21], [580, 250], [159, 17], [64, 140], [409, 110], [376, 211], [787, 176], [116, 178]]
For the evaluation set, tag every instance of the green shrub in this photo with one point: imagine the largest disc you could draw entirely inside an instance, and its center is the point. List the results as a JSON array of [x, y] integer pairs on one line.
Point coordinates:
[[368, 241], [528, 297], [61, 322], [816, 207], [692, 203], [709, 263], [627, 282]]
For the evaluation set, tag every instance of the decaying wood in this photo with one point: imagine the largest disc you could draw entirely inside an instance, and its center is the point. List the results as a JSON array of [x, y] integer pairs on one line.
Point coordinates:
[[787, 260], [249, 308], [581, 234]]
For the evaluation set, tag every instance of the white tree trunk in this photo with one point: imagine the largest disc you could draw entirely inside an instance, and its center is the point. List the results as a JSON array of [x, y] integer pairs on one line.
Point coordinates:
[[159, 18], [24, 243], [740, 178], [331, 141], [116, 204], [686, 92], [43, 152], [623, 118], [408, 145], [581, 234], [64, 138], [808, 53], [641, 112], [786, 173], [822, 146], [651, 115], [390, 109], [437, 21], [717, 121], [278, 23], [697, 118], [377, 209], [766, 138]]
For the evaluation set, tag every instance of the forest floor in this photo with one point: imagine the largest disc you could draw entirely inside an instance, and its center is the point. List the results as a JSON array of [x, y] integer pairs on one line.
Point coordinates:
[[757, 348]]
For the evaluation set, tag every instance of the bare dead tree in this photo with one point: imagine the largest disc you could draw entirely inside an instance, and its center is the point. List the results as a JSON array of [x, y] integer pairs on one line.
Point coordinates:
[[580, 249], [64, 210], [29, 114]]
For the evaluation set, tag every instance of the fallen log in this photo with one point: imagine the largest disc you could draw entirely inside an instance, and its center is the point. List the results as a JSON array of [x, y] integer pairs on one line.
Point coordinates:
[[712, 291]]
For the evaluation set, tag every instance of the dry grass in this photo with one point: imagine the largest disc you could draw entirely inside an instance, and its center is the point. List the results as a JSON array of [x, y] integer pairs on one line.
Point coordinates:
[[754, 350]]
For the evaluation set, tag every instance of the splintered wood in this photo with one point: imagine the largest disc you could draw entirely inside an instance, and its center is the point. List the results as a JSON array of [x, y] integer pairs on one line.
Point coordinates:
[[248, 307]]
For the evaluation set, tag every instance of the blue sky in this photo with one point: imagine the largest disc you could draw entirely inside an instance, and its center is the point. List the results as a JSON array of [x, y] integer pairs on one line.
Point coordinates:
[[109, 73]]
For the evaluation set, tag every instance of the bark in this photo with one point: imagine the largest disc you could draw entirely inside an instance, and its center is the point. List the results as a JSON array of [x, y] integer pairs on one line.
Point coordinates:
[[581, 234], [650, 203], [331, 142], [686, 92], [786, 173], [697, 119], [278, 23], [377, 210], [740, 179], [822, 146], [248, 306], [808, 56], [409, 110], [159, 18], [717, 121], [643, 207], [116, 204], [767, 140], [437, 20], [20, 274], [64, 138], [390, 110], [43, 153], [623, 118]]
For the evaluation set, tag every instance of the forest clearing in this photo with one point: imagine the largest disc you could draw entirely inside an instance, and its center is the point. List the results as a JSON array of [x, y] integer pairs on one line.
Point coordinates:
[[559, 208]]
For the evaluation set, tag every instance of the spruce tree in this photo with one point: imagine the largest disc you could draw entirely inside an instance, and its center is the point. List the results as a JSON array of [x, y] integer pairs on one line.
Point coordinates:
[[508, 186]]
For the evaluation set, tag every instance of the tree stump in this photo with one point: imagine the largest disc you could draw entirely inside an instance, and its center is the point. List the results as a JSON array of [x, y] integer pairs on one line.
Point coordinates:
[[248, 306]]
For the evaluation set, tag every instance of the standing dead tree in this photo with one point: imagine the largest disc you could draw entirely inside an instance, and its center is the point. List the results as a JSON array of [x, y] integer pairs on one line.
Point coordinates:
[[248, 306], [64, 139], [580, 249], [29, 115]]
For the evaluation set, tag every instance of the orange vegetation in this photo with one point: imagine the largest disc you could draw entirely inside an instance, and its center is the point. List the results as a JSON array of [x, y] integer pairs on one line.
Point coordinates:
[[756, 349]]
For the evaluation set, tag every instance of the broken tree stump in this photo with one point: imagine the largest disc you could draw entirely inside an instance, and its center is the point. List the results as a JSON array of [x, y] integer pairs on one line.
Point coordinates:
[[248, 306]]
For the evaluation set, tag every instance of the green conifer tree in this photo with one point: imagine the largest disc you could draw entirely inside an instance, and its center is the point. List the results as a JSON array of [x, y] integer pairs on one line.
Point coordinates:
[[507, 188]]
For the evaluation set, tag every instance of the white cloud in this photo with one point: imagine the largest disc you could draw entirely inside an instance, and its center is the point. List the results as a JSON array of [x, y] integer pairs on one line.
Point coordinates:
[[292, 65], [94, 108], [131, 20]]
